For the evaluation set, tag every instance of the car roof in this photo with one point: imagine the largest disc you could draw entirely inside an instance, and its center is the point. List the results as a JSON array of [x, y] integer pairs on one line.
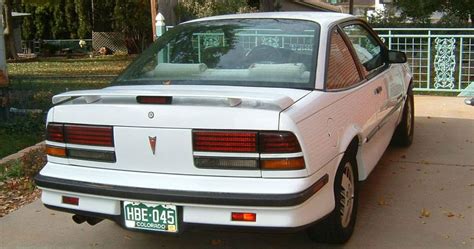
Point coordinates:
[[323, 18]]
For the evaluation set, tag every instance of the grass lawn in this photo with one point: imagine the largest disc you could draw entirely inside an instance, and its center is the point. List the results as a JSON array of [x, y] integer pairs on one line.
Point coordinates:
[[11, 143], [61, 66], [34, 82]]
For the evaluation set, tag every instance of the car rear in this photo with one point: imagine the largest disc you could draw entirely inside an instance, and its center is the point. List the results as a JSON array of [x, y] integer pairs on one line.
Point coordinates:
[[191, 134]]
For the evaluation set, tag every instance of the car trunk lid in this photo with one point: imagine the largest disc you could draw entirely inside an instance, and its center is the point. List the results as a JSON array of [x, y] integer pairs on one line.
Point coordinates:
[[158, 137]]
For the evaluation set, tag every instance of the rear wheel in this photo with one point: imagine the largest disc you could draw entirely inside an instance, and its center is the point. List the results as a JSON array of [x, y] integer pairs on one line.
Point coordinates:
[[403, 135], [339, 225]]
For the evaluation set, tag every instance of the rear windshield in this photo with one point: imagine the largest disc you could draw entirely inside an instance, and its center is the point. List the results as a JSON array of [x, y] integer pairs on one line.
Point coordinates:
[[238, 52]]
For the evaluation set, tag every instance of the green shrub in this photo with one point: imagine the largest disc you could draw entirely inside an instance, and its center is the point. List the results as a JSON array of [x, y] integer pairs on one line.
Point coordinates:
[[32, 124], [11, 169], [28, 166]]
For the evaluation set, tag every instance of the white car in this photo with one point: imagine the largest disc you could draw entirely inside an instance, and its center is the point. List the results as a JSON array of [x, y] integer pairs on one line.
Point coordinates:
[[264, 120]]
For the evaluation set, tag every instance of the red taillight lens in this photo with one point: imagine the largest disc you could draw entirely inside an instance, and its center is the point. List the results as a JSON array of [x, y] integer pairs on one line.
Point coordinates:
[[279, 142], [55, 132], [225, 141], [89, 135], [70, 200], [157, 100]]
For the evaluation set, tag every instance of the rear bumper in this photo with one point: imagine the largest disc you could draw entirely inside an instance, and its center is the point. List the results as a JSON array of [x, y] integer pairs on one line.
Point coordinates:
[[278, 203], [175, 196]]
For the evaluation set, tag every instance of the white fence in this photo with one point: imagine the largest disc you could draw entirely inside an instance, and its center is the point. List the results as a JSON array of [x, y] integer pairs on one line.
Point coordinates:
[[442, 59]]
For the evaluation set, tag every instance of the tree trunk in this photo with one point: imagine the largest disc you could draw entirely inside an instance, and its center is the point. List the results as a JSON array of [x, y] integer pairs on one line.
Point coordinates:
[[267, 5], [10, 45], [153, 16], [166, 8]]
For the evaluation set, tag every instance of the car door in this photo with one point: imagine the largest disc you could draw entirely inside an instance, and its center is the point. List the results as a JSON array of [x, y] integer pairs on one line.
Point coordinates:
[[371, 57], [362, 99]]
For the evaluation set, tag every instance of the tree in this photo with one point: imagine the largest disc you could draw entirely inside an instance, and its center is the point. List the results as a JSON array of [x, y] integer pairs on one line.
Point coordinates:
[[167, 9], [461, 9], [419, 10], [72, 24], [267, 5], [131, 17], [191, 9], [9, 38], [58, 28], [83, 10]]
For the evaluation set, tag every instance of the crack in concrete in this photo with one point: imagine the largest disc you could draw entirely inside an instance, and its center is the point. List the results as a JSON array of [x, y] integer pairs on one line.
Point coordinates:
[[432, 163]]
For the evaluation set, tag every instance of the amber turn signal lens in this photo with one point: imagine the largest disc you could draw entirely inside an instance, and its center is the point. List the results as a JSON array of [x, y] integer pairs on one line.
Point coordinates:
[[244, 217], [282, 164], [56, 151]]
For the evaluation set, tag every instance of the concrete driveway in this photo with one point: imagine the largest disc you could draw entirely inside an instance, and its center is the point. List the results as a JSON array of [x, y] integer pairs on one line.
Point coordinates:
[[435, 175]]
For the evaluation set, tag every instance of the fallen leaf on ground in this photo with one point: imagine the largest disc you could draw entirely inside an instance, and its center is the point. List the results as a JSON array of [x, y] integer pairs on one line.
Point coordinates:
[[216, 242], [449, 214], [382, 202], [425, 213]]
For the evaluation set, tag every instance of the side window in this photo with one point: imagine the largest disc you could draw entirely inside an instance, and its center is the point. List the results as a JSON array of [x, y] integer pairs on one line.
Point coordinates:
[[342, 70], [368, 50]]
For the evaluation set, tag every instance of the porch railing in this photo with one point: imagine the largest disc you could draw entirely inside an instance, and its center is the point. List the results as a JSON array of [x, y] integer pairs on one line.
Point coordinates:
[[441, 59]]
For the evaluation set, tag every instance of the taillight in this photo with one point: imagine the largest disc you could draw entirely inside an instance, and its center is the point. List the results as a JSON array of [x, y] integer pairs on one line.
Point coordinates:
[[225, 163], [278, 142], [81, 135], [56, 151], [55, 132], [283, 163], [89, 135], [266, 150], [225, 141]]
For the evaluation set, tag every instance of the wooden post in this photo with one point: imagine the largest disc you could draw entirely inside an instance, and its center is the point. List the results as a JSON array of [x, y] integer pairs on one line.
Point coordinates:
[[153, 15]]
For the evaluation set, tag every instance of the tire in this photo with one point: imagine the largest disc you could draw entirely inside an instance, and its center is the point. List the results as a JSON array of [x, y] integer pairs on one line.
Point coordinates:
[[338, 226], [403, 135]]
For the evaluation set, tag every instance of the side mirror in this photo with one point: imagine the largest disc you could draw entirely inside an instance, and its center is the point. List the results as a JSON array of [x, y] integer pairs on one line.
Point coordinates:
[[396, 57]]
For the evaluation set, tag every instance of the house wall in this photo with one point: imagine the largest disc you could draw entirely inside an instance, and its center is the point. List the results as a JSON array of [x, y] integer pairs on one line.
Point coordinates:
[[287, 5]]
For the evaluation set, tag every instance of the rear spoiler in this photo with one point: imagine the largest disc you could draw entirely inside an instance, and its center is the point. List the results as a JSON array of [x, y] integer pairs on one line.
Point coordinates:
[[234, 98]]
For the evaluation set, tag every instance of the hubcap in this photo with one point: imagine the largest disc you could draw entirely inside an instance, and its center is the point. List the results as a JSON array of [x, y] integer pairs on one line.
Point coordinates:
[[347, 194], [409, 117]]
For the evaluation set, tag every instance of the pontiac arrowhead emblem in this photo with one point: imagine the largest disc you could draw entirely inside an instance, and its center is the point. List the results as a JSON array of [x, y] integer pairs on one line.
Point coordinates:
[[152, 141]]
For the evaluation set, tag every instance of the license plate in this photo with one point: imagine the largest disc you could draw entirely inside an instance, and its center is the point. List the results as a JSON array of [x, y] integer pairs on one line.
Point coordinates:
[[151, 217]]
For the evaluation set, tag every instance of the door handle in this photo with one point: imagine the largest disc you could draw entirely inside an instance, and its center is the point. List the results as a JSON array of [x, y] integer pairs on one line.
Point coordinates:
[[378, 90]]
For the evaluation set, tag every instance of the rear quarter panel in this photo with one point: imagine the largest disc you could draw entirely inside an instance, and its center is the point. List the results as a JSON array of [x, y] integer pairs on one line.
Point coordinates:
[[326, 122]]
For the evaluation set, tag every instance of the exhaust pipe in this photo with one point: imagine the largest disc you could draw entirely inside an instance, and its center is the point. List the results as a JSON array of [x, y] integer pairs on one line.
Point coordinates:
[[79, 219], [93, 221]]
